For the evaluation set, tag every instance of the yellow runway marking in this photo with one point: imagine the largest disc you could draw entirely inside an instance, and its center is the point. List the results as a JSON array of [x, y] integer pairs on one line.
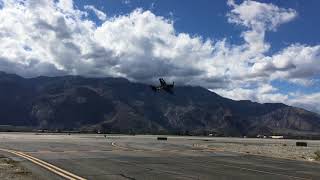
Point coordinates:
[[50, 167]]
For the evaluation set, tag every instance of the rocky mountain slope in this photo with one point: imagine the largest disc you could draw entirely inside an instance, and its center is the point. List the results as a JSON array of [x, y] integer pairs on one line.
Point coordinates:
[[119, 106]]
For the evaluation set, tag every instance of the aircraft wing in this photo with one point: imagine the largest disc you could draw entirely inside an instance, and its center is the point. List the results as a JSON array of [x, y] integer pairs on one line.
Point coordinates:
[[169, 90], [155, 88], [170, 86]]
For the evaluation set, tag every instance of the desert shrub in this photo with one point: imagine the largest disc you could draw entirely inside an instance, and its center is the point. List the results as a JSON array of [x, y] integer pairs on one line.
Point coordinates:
[[317, 153], [305, 144]]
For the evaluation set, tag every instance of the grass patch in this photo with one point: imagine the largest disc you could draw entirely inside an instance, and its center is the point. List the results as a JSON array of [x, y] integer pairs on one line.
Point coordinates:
[[317, 153]]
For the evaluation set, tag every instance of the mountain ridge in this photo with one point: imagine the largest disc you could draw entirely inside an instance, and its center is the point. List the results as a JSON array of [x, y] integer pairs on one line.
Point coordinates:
[[117, 105]]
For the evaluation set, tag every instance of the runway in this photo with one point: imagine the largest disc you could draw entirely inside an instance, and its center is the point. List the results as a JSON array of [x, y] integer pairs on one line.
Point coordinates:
[[145, 157]]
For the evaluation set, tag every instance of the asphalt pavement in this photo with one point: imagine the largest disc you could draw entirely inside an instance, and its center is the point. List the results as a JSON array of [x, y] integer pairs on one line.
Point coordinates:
[[143, 157]]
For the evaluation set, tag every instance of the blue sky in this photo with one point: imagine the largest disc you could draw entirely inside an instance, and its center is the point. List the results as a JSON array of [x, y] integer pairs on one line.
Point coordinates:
[[208, 19], [264, 51]]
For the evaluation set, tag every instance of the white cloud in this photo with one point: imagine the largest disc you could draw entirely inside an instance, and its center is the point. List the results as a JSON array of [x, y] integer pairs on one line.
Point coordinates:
[[303, 60], [258, 18], [54, 38], [267, 93], [307, 101], [263, 93], [126, 2], [256, 15], [65, 5], [101, 15]]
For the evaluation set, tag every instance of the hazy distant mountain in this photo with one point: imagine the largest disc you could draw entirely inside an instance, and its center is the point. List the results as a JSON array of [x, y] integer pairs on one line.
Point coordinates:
[[119, 106]]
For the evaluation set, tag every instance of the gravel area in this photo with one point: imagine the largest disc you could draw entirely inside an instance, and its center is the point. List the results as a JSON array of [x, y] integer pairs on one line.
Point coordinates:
[[279, 148], [13, 170]]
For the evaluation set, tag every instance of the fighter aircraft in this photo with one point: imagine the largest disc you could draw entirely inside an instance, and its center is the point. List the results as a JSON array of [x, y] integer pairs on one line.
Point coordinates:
[[163, 86]]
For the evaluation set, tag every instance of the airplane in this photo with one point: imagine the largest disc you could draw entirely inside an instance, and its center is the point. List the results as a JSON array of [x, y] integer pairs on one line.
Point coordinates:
[[163, 86]]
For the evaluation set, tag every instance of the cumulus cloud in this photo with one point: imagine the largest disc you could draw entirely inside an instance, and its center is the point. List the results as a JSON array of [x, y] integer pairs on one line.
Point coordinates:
[[40, 37], [258, 18], [256, 15], [263, 93]]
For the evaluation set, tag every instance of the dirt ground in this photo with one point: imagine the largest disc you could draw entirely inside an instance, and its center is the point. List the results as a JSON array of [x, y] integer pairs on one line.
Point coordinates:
[[277, 148], [13, 170]]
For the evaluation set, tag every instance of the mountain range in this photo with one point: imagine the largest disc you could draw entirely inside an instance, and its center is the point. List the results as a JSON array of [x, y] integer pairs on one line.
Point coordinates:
[[116, 105]]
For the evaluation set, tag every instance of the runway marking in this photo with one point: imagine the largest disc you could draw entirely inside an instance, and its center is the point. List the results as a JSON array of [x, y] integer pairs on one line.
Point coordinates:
[[50, 167]]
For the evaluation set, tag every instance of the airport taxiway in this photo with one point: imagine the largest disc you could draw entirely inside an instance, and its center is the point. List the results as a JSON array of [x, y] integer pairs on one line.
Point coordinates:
[[81, 156]]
